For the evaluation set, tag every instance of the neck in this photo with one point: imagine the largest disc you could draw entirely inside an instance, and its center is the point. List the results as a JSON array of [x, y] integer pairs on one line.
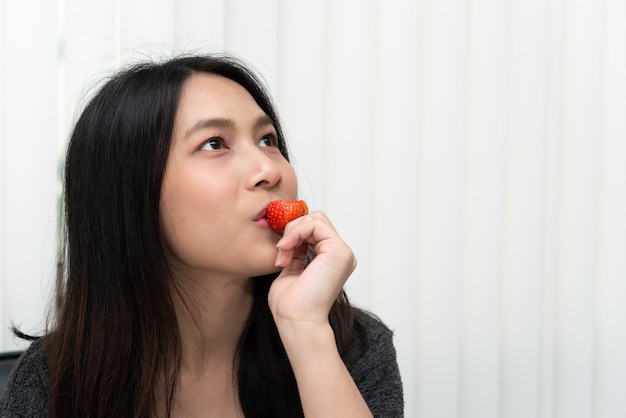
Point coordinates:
[[211, 317]]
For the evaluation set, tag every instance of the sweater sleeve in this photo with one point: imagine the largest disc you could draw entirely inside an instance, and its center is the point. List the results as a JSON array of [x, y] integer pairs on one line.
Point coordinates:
[[26, 392], [375, 369]]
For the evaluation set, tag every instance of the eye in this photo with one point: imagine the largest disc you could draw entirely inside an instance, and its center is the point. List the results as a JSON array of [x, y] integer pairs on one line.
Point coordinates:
[[213, 144], [268, 140]]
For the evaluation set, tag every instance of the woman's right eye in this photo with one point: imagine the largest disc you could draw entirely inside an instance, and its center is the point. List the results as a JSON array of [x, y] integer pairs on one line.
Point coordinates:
[[213, 144]]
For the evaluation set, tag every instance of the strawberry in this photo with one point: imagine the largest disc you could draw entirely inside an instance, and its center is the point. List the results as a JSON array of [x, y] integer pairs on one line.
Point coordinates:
[[280, 212]]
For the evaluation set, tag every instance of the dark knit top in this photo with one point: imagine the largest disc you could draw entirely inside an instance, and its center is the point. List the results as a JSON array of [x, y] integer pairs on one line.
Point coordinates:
[[375, 372]]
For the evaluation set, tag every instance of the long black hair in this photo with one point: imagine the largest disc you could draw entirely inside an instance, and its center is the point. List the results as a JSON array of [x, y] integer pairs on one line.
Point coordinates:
[[113, 344]]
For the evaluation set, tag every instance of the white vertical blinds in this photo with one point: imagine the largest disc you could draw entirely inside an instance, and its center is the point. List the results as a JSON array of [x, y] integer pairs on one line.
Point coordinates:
[[29, 159], [471, 152]]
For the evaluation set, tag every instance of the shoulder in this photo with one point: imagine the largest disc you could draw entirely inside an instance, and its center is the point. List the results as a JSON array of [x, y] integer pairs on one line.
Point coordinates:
[[26, 392], [375, 327], [373, 365], [378, 336], [32, 365]]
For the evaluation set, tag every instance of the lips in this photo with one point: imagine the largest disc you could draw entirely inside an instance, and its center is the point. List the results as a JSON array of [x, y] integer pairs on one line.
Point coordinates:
[[263, 212], [260, 216]]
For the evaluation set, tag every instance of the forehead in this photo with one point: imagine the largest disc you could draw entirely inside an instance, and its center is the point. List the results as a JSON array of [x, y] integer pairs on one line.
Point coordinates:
[[214, 93], [207, 96]]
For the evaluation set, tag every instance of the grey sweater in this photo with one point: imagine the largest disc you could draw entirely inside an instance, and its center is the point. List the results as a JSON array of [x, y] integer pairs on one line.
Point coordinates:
[[375, 372]]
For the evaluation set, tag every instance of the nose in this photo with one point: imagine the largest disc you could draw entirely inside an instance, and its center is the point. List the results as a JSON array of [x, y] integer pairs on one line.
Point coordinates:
[[263, 171]]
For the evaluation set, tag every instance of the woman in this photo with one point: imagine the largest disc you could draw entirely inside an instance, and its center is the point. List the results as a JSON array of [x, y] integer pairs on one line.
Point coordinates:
[[176, 299]]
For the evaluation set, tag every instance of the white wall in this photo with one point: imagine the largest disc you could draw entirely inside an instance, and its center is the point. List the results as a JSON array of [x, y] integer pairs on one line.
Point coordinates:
[[472, 153]]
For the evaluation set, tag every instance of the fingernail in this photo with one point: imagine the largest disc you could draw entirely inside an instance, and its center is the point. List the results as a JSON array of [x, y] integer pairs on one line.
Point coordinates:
[[279, 258]]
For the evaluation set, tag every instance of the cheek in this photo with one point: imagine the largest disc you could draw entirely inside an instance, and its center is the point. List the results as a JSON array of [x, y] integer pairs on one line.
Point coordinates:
[[187, 207], [290, 182], [168, 215], [195, 210], [178, 207], [185, 223]]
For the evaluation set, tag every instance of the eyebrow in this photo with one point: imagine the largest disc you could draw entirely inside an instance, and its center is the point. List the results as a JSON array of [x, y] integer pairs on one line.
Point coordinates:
[[263, 120]]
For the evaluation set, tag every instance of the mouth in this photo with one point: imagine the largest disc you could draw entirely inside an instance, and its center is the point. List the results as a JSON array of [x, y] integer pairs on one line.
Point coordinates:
[[261, 218]]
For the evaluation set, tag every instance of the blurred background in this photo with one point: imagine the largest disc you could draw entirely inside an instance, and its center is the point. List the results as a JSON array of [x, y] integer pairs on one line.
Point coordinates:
[[472, 152]]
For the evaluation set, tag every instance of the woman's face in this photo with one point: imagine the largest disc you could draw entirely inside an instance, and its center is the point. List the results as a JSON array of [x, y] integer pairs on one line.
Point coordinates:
[[223, 169]]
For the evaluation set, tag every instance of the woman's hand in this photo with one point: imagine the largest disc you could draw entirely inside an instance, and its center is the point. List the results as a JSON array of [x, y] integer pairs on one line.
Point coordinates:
[[302, 297]]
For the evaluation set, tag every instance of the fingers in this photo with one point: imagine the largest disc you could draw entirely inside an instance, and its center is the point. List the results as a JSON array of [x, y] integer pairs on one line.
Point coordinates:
[[309, 229], [304, 293], [314, 230], [295, 257]]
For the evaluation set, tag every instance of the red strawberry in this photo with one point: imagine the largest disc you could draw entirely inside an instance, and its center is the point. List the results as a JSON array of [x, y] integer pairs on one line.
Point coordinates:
[[279, 212]]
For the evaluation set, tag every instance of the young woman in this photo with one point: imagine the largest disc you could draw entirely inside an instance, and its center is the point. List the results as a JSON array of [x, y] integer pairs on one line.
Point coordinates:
[[176, 298]]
